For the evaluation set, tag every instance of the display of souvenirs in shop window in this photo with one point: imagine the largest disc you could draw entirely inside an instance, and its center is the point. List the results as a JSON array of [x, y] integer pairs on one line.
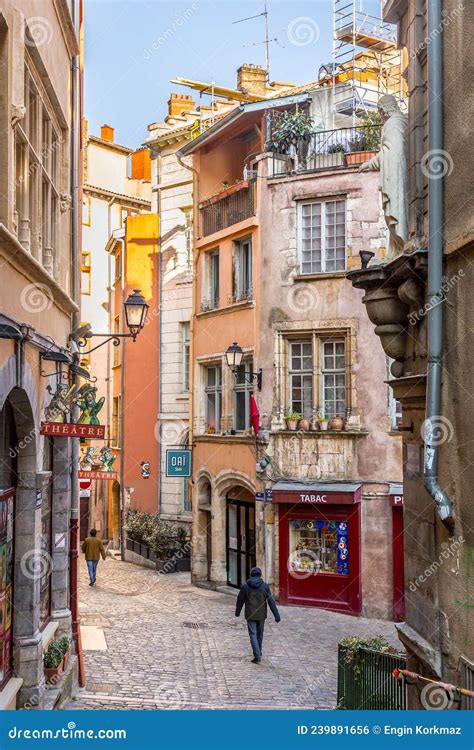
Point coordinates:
[[318, 546]]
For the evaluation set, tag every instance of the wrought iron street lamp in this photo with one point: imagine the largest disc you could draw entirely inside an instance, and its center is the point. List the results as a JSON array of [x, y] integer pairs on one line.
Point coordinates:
[[135, 310], [234, 355]]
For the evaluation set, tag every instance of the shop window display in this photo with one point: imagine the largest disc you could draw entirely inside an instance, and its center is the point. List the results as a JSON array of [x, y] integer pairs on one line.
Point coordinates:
[[318, 546]]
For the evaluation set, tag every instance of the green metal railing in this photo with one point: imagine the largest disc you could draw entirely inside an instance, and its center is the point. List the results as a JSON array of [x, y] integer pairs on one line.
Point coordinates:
[[368, 683]]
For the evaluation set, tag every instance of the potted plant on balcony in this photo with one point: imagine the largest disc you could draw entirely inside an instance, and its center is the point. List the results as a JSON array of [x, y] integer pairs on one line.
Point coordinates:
[[366, 142], [292, 129], [304, 424], [323, 423], [292, 418], [53, 661]]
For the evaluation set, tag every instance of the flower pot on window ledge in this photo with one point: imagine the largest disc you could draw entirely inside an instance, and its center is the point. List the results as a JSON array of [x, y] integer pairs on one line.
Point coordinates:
[[324, 425], [304, 425], [336, 423], [292, 420]]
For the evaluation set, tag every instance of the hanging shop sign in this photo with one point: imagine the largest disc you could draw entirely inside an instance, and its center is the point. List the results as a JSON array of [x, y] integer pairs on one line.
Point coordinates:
[[95, 464], [178, 463], [59, 411], [319, 493], [396, 495]]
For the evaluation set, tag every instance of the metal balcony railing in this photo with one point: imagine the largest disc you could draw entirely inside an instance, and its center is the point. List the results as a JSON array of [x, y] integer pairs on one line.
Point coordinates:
[[230, 207], [326, 149]]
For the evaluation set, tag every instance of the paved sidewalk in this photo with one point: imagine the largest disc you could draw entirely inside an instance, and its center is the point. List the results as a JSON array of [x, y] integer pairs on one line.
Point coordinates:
[[171, 645]]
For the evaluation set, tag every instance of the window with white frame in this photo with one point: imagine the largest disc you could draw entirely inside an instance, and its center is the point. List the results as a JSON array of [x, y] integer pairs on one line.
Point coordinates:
[[242, 270], [322, 236], [333, 375], [301, 377], [243, 387], [316, 367], [213, 397], [38, 151], [185, 342], [210, 299]]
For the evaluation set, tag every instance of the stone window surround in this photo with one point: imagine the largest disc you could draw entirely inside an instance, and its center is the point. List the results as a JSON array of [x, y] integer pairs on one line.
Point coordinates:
[[30, 228], [318, 330], [227, 393], [323, 201]]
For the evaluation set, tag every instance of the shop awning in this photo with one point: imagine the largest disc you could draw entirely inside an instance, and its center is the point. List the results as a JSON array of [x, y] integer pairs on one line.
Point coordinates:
[[396, 495], [330, 493]]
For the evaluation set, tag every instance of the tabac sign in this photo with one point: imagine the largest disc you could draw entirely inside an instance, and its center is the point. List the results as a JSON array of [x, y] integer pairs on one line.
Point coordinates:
[[59, 410]]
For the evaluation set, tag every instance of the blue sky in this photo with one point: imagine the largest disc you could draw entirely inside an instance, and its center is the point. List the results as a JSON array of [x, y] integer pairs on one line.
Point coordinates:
[[134, 47]]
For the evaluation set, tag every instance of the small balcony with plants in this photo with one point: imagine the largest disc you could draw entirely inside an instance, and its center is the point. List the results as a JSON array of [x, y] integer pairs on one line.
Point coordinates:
[[297, 148]]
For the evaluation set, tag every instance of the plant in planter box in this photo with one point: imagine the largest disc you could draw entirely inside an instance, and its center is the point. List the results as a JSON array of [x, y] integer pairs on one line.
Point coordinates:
[[337, 148], [164, 544], [292, 419], [323, 424], [52, 661], [183, 551]]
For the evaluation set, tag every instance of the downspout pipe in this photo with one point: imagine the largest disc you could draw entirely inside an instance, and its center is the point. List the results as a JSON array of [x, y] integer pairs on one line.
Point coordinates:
[[76, 293], [435, 267]]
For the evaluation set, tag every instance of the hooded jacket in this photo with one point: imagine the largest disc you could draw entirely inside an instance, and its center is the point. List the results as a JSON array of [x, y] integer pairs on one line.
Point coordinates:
[[256, 594]]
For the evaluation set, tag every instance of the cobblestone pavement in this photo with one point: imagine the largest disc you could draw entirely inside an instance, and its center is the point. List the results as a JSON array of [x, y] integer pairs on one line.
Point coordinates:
[[171, 645]]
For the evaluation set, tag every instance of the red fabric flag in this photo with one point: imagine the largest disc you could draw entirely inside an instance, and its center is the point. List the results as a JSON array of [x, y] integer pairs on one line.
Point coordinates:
[[254, 414]]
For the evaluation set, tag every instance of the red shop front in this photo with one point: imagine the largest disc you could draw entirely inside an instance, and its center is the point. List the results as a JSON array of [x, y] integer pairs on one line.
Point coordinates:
[[320, 555]]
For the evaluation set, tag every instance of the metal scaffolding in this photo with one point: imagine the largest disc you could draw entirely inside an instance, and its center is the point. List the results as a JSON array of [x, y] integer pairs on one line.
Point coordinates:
[[366, 61]]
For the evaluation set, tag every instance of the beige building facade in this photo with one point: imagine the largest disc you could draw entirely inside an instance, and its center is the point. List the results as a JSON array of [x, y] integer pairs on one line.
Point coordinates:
[[38, 304]]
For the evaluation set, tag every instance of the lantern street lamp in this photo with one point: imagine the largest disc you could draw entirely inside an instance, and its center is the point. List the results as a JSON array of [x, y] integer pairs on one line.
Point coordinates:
[[234, 355], [135, 310]]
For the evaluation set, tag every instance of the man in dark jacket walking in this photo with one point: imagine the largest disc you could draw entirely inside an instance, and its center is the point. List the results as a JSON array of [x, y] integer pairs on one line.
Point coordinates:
[[255, 594]]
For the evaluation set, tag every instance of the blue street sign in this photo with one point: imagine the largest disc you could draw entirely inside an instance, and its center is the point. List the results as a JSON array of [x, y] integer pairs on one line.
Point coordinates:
[[178, 463], [269, 495], [259, 496]]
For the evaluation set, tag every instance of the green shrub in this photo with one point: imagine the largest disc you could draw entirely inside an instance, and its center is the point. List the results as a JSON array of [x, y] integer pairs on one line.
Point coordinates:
[[53, 655]]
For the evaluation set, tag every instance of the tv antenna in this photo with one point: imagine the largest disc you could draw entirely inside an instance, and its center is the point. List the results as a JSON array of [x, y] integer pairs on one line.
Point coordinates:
[[267, 39]]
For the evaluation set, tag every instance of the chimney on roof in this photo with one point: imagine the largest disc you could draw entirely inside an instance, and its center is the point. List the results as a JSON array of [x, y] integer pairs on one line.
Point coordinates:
[[107, 133], [180, 103], [252, 79], [141, 164]]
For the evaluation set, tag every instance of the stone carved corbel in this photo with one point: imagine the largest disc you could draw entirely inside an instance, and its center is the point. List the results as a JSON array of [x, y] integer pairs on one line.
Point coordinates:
[[18, 113], [65, 202]]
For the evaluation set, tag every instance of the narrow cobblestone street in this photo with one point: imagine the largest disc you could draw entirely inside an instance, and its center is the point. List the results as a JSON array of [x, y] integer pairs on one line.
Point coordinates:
[[162, 643]]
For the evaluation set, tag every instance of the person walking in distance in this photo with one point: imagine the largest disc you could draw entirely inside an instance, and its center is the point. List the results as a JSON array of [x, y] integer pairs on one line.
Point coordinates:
[[93, 550], [255, 595]]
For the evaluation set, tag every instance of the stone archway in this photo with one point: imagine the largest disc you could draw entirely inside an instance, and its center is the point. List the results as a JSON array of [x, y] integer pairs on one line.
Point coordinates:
[[202, 528], [27, 642], [242, 488]]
